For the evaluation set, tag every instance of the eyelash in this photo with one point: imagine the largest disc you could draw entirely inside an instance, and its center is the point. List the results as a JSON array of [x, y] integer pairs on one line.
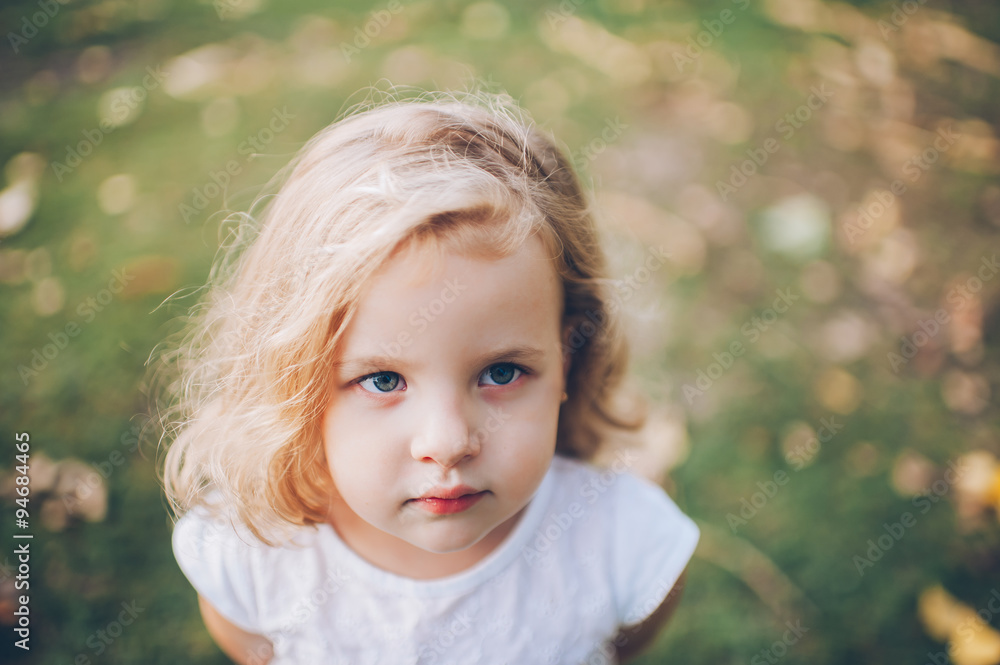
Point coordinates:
[[517, 367]]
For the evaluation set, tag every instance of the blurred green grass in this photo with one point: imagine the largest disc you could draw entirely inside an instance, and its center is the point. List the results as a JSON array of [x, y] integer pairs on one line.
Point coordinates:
[[686, 127]]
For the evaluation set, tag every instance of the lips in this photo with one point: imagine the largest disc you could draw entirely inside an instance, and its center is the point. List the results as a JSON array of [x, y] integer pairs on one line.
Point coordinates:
[[449, 500]]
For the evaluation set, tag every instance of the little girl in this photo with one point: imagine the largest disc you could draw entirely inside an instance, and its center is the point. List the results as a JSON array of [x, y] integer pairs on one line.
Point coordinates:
[[381, 414]]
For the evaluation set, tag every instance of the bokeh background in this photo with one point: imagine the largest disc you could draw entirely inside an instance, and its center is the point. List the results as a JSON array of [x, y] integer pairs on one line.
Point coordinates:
[[820, 346]]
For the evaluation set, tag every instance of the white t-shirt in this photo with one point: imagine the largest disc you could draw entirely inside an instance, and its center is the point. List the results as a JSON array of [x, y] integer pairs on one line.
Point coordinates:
[[594, 551]]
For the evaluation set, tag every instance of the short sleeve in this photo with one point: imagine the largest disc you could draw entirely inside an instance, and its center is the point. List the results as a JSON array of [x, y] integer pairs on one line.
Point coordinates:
[[654, 541], [217, 562]]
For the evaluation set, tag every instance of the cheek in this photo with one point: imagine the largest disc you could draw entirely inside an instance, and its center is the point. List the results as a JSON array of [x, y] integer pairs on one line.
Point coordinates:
[[526, 440], [351, 448], [538, 411], [356, 476]]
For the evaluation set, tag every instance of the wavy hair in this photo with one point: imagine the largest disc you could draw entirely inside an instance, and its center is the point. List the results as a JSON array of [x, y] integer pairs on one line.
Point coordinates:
[[242, 389]]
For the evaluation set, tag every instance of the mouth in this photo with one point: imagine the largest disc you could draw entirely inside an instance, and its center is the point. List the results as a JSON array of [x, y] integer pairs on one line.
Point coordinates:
[[449, 501]]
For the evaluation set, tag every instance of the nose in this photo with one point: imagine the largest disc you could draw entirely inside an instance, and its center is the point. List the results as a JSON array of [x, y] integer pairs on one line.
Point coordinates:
[[446, 437]]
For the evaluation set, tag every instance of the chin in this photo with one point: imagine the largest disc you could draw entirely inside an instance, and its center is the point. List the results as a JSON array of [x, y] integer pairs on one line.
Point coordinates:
[[449, 543]]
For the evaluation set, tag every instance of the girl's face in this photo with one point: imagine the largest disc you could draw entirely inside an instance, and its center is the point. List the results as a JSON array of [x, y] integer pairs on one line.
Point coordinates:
[[442, 422]]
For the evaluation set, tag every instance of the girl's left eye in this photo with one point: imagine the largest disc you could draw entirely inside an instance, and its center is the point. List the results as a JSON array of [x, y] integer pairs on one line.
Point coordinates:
[[383, 382], [501, 374]]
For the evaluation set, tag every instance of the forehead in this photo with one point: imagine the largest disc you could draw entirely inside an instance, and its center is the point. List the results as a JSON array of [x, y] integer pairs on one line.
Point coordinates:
[[426, 298], [421, 264]]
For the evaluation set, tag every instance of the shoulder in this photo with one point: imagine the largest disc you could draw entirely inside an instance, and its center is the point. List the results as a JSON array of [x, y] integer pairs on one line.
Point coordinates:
[[650, 540], [217, 559], [206, 535], [231, 568]]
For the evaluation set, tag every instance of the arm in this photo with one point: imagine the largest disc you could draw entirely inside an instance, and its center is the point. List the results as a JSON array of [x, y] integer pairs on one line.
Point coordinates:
[[242, 647], [633, 640]]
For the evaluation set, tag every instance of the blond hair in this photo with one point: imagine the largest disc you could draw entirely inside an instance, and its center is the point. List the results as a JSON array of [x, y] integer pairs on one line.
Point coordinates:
[[243, 389]]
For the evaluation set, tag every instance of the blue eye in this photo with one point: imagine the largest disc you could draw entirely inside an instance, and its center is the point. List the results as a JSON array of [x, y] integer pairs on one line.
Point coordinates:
[[383, 382], [501, 374]]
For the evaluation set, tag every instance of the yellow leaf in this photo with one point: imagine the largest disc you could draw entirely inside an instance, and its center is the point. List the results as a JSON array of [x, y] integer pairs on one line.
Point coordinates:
[[980, 647], [938, 611]]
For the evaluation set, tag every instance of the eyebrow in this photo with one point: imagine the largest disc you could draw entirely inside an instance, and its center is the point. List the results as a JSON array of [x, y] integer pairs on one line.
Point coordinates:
[[518, 353]]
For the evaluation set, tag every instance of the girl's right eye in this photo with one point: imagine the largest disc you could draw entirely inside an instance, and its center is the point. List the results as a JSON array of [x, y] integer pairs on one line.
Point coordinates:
[[383, 382]]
